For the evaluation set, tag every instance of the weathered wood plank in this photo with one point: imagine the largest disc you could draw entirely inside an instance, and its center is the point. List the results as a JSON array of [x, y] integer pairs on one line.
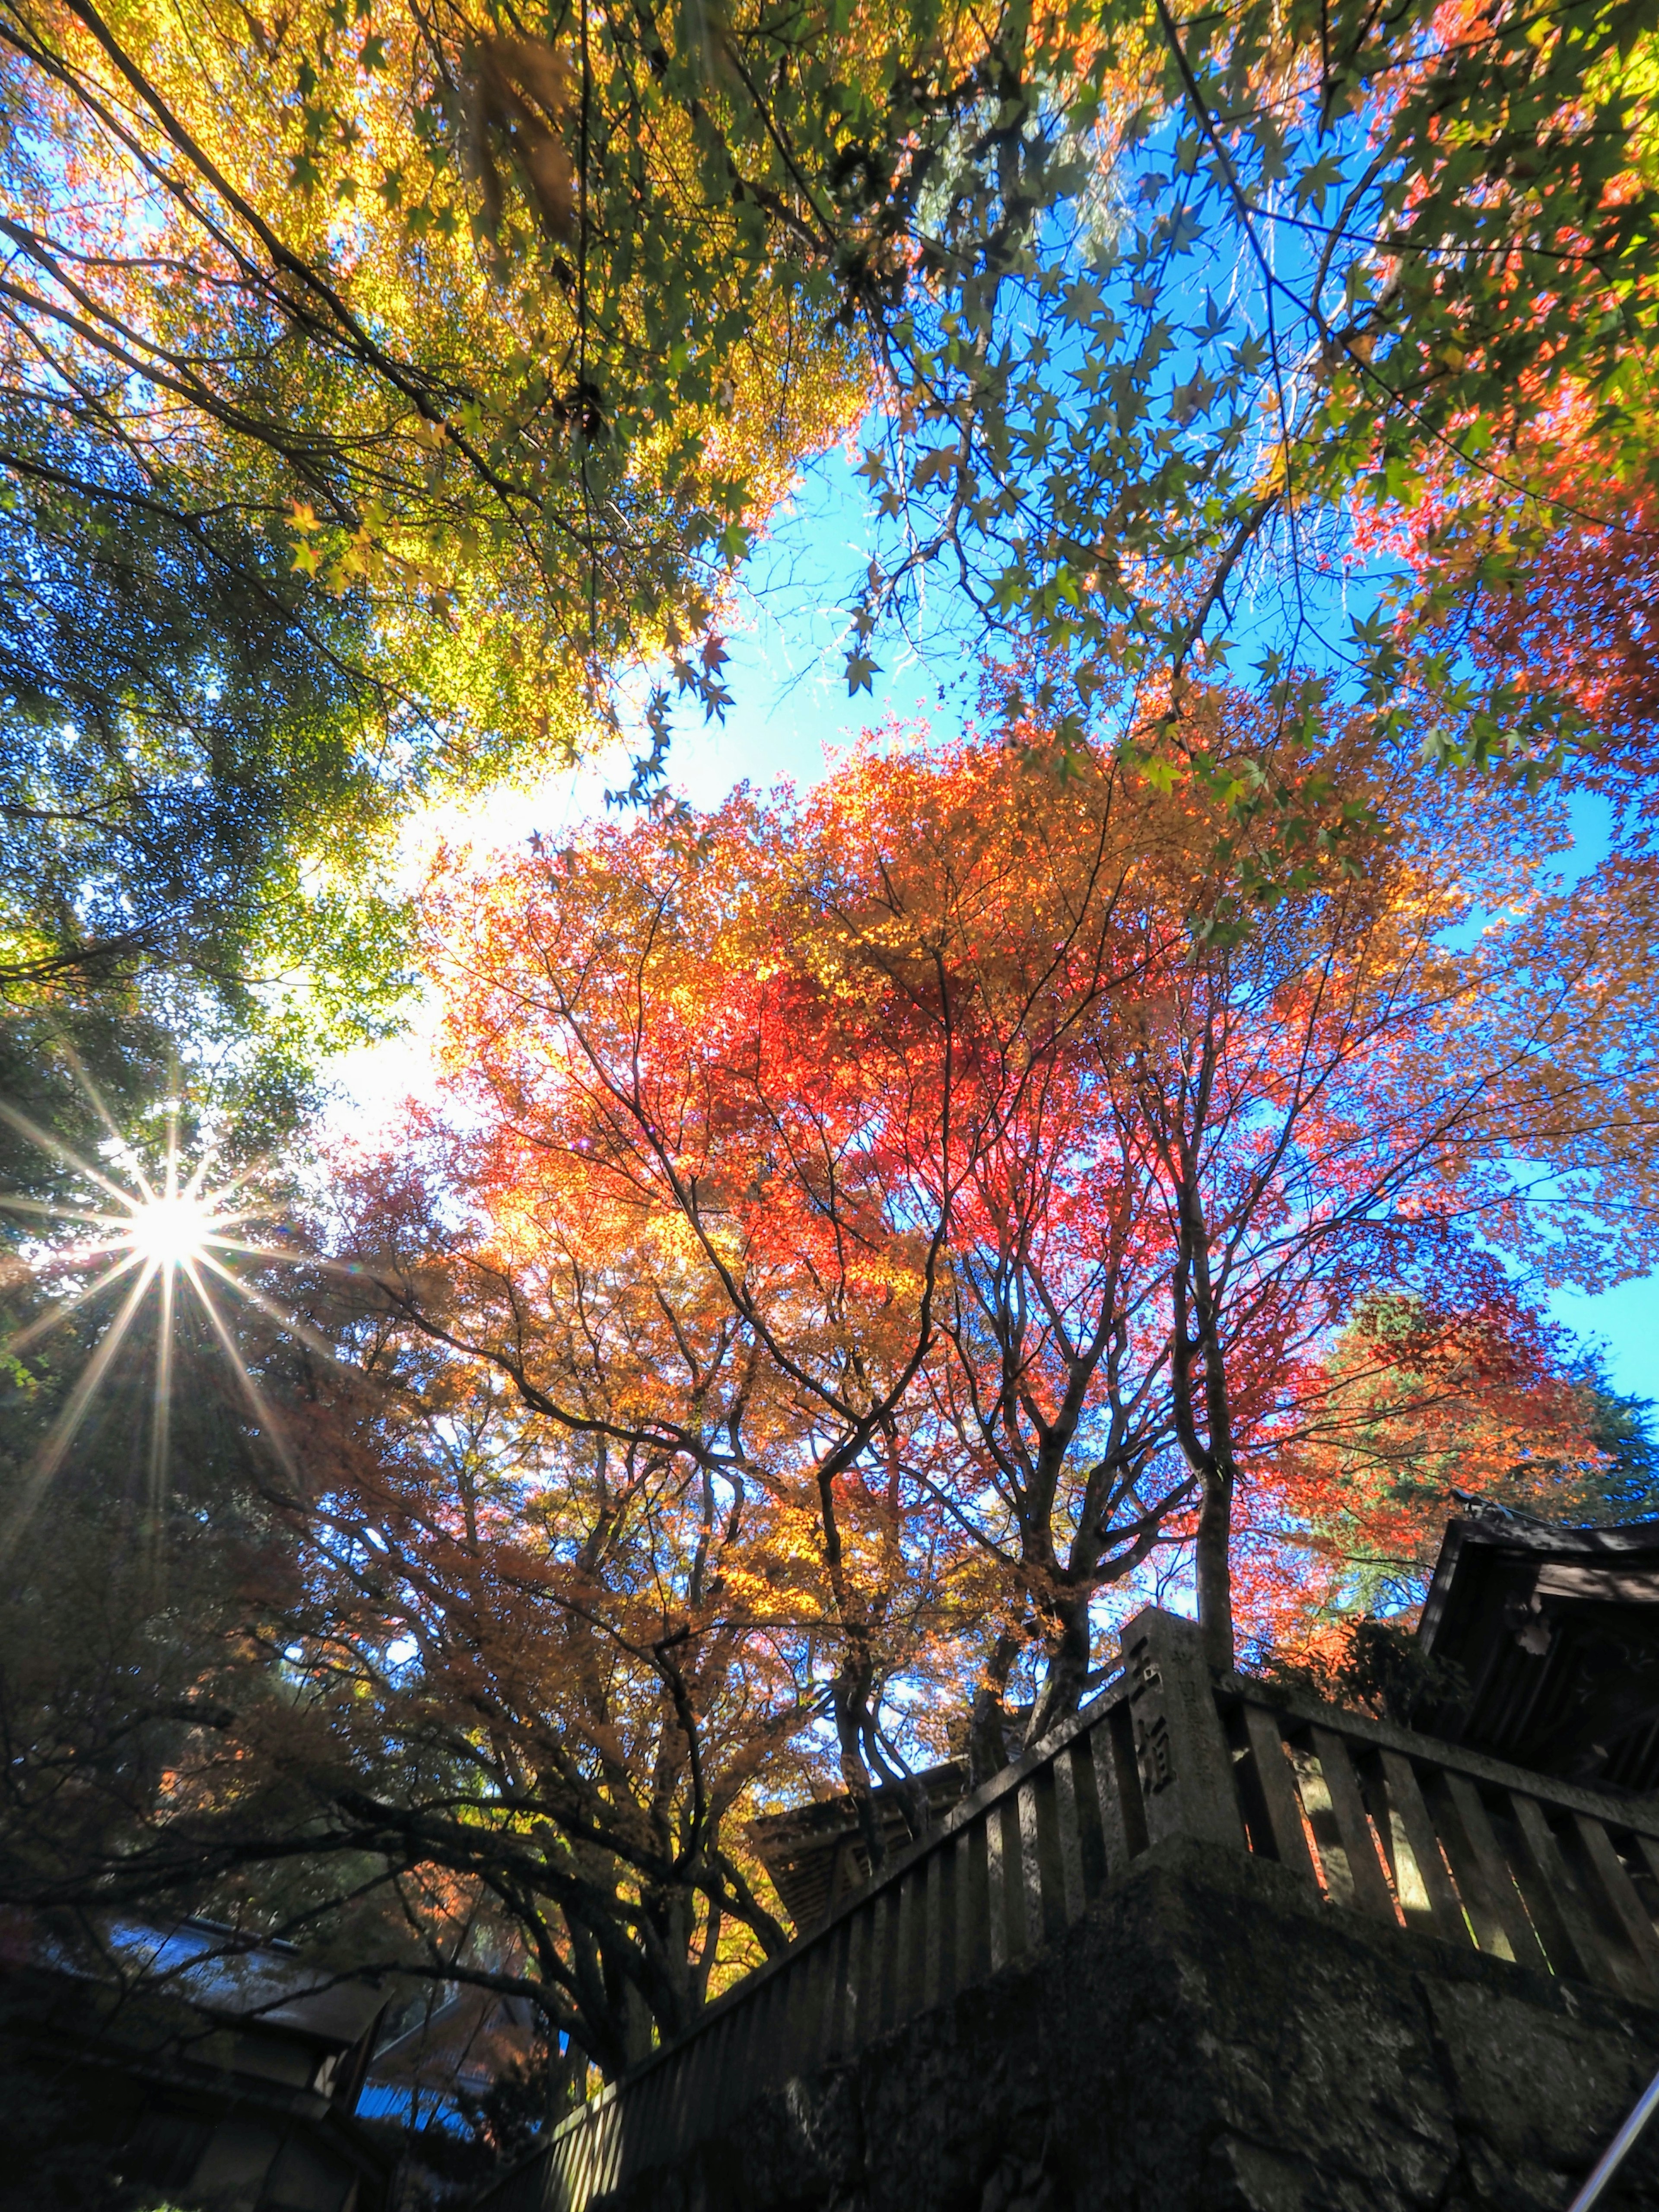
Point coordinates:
[[975, 1948], [915, 1956], [1623, 1900], [1409, 1807], [932, 1920], [1056, 1918], [1083, 1753], [1279, 1801], [699, 2087], [853, 1970], [1004, 1823], [1068, 1833], [1117, 1791], [878, 1979], [1639, 1814], [614, 2146], [1370, 1891], [720, 2080], [1484, 1878], [608, 2146], [900, 1970], [725, 2037], [996, 1887], [808, 2036], [1030, 1860], [673, 2114], [1559, 1910], [769, 2051]]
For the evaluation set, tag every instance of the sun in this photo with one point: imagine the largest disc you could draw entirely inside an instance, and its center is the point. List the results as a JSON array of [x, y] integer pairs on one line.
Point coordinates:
[[150, 1235], [174, 1230]]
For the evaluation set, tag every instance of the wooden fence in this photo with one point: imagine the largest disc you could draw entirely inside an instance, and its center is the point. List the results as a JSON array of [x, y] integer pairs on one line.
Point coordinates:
[[1393, 1826]]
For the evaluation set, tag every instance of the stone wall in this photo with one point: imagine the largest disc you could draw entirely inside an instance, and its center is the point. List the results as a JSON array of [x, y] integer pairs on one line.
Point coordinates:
[[1210, 2037]]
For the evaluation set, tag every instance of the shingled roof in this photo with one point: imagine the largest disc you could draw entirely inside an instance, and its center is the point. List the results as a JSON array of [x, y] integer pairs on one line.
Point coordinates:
[[815, 1854]]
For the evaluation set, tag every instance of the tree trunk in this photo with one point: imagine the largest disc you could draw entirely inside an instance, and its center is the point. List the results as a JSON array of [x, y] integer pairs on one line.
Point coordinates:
[[1061, 1693], [849, 1697], [1213, 1569], [988, 1733]]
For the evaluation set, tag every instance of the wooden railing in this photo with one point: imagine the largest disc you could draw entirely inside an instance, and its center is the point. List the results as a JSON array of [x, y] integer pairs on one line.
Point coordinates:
[[1393, 1826], [1420, 1834]]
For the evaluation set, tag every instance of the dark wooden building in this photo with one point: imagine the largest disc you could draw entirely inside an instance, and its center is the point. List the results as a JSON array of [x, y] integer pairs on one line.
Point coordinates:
[[1555, 1632], [186, 2062]]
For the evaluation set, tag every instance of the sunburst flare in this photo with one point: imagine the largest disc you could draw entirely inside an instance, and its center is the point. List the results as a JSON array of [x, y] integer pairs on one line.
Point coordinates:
[[162, 1228]]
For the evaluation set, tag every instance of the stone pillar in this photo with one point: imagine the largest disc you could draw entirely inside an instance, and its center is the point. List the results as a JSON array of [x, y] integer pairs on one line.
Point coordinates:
[[1185, 1768]]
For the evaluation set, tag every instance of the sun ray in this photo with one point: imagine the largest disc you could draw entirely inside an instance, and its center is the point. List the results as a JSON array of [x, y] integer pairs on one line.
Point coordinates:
[[15, 1201], [65, 1307], [61, 1435], [95, 1099], [161, 1437], [170, 1224], [290, 1322], [161, 1421], [62, 1152], [352, 1270], [264, 1413]]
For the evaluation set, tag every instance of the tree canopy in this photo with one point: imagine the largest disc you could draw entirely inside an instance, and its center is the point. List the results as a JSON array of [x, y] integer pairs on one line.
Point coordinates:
[[463, 358], [861, 1245], [857, 1245]]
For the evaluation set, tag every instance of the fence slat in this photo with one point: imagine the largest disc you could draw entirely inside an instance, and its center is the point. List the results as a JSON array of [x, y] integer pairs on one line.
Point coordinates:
[[916, 1941], [676, 2116], [1112, 1754], [613, 2143], [1009, 1902], [933, 1926], [583, 2163], [697, 2057], [1068, 1834], [816, 1986], [996, 1890], [1370, 1888], [771, 2048], [841, 2007], [732, 2074], [1620, 1892], [900, 1982], [1557, 1907], [1033, 1888], [1483, 1874], [1087, 1786], [875, 2014], [1408, 1803], [974, 1945], [1279, 1799]]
